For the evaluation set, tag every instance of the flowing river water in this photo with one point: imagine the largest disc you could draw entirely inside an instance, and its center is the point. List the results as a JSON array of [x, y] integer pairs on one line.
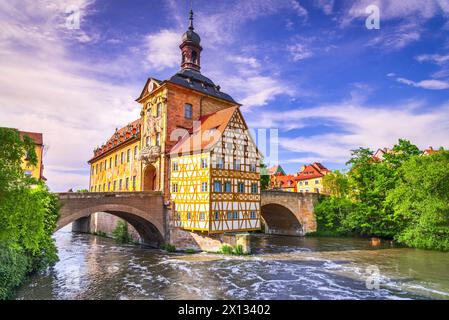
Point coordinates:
[[92, 267]]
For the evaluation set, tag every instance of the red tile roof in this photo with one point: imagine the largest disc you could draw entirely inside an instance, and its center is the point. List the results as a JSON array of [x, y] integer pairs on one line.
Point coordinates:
[[204, 136], [125, 134], [312, 171], [35, 136]]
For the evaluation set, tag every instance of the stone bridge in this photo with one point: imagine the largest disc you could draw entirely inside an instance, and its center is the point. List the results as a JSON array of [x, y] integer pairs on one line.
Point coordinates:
[[143, 210], [288, 213], [283, 213]]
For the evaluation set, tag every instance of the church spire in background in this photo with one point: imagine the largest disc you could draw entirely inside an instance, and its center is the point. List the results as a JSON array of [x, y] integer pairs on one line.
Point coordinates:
[[191, 48]]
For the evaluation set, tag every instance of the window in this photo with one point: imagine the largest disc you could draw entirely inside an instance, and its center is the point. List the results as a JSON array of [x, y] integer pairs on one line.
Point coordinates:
[[254, 188], [147, 141], [122, 158], [252, 167], [159, 110], [229, 213], [220, 162], [127, 184], [120, 184], [189, 216], [136, 150], [188, 111], [317, 190], [116, 160], [128, 155], [306, 183], [236, 215], [300, 183], [203, 163], [95, 189], [96, 168], [204, 187], [178, 216], [217, 186], [253, 215], [317, 181], [236, 164], [115, 185], [175, 166], [134, 183], [202, 216], [217, 215], [194, 57], [227, 186], [241, 187], [110, 163], [105, 164], [158, 139], [104, 187], [307, 190], [175, 187]]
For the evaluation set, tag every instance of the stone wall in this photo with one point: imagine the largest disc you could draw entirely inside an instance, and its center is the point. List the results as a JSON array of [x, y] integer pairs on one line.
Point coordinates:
[[106, 223]]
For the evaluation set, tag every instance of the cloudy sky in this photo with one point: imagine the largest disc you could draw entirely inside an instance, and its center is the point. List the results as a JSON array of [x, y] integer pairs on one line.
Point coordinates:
[[308, 68]]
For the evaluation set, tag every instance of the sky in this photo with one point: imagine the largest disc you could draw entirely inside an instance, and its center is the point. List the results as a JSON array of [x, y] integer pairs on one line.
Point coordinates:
[[310, 69]]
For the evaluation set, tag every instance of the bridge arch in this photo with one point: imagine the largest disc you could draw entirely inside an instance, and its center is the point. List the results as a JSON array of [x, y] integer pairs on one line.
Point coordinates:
[[144, 211], [288, 213], [280, 219]]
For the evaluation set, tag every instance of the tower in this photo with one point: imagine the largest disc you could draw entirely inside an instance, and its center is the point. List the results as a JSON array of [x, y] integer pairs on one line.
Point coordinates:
[[191, 48]]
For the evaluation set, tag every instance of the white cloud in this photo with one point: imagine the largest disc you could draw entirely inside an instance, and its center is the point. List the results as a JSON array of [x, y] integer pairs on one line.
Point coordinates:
[[163, 49], [45, 89], [434, 58], [299, 52], [359, 126], [299, 9], [401, 37], [394, 9], [426, 84]]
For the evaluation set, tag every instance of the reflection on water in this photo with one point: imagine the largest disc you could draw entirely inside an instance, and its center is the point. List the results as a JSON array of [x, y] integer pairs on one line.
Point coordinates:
[[282, 268]]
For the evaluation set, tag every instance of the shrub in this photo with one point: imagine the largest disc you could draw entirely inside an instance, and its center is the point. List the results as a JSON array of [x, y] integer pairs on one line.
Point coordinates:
[[13, 270], [168, 247], [121, 233], [226, 249]]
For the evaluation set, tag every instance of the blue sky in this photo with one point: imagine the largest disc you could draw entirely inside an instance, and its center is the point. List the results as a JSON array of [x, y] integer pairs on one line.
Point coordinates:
[[310, 69]]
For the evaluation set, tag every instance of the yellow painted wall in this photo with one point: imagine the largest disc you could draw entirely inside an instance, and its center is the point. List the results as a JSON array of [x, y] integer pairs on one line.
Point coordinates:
[[34, 171], [311, 185], [105, 171]]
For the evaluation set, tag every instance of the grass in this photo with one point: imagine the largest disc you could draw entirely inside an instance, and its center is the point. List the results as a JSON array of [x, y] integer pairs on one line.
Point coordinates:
[[227, 249], [168, 247]]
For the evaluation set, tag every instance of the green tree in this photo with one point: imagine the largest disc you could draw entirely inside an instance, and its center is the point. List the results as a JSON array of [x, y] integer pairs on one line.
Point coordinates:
[[28, 214], [264, 177], [421, 201]]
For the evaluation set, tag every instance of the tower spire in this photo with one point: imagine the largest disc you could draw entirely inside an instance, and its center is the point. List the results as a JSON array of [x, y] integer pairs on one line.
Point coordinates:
[[191, 28], [190, 47]]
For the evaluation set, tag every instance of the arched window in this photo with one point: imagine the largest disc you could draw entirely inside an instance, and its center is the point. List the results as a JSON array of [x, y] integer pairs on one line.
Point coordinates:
[[194, 57]]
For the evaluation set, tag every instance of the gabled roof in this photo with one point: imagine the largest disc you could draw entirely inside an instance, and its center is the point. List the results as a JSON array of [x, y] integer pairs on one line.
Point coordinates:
[[276, 169], [128, 133], [206, 135], [312, 171], [35, 136], [145, 90]]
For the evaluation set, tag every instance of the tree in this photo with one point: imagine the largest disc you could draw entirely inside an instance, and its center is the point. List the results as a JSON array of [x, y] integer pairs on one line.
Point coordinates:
[[264, 177], [421, 200], [28, 214]]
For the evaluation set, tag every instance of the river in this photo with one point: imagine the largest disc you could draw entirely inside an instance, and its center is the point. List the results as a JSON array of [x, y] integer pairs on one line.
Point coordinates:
[[92, 267]]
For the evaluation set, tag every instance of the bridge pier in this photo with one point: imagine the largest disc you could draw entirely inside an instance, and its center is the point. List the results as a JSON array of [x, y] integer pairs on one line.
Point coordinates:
[[82, 225]]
